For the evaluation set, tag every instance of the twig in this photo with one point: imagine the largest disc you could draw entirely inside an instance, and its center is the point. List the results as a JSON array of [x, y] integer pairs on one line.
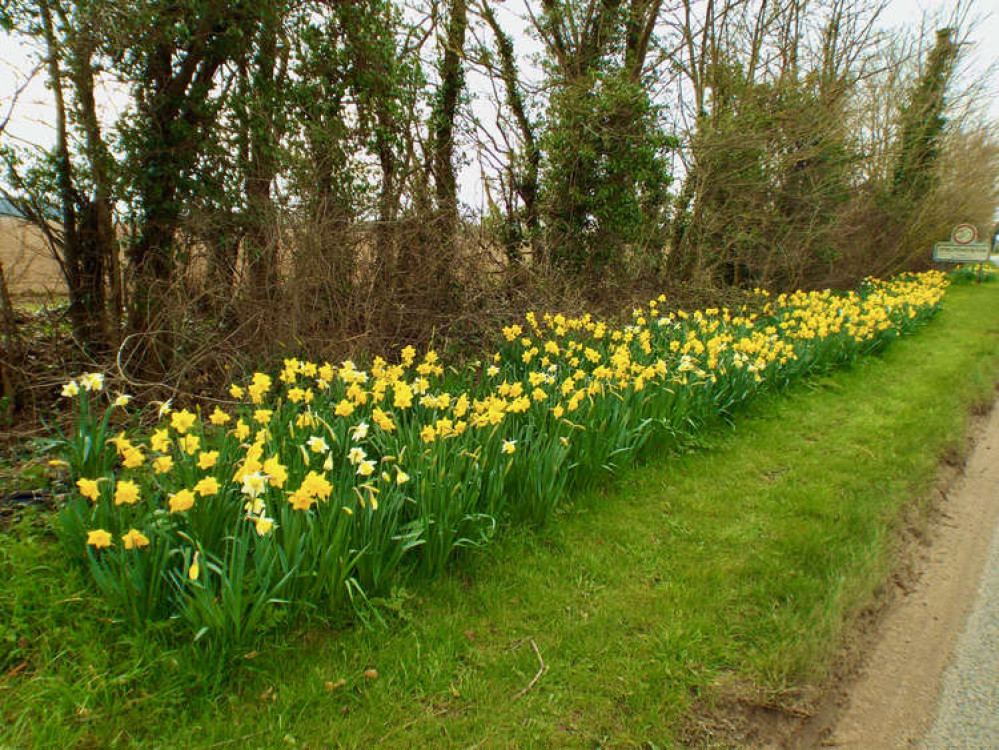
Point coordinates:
[[541, 670], [17, 95]]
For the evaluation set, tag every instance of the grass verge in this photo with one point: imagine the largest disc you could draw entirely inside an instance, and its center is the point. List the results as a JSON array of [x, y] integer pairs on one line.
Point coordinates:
[[740, 562]]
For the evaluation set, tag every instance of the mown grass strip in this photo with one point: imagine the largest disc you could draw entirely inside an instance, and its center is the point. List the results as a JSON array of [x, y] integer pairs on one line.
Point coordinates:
[[739, 562]]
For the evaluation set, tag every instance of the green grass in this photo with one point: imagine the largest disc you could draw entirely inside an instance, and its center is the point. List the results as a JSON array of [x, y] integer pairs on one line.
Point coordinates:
[[738, 563]]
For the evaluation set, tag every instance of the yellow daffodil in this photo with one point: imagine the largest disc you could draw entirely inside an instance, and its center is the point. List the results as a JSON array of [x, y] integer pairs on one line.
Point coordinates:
[[402, 395], [133, 457], [120, 442], [182, 421], [263, 524], [300, 499], [384, 422], [88, 488], [71, 389], [190, 444], [208, 459], [207, 486], [181, 501], [159, 441], [163, 464], [242, 430], [126, 492], [99, 538], [219, 417], [134, 539], [316, 485], [276, 472]]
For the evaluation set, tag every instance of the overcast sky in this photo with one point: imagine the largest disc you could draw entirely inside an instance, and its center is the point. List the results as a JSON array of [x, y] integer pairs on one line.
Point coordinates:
[[32, 120]]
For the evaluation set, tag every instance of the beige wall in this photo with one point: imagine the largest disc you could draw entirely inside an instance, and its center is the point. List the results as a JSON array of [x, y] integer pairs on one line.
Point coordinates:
[[28, 264]]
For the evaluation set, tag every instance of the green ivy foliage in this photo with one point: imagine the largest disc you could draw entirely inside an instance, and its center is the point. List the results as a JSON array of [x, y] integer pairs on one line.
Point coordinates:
[[606, 176]]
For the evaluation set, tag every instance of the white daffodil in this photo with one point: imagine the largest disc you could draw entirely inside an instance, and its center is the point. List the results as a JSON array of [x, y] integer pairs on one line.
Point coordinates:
[[359, 431], [92, 381], [254, 484], [317, 444]]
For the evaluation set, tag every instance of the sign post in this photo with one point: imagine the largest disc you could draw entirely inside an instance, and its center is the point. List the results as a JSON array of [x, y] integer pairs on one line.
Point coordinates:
[[963, 247]]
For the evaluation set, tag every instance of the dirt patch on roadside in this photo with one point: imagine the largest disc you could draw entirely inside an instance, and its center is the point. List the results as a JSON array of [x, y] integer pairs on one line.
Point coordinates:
[[886, 679]]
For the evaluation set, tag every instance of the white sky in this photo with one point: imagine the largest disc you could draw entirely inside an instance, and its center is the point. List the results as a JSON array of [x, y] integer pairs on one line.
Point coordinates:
[[32, 120]]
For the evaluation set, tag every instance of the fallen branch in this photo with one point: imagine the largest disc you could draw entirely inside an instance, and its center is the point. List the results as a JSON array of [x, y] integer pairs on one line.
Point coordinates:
[[541, 669]]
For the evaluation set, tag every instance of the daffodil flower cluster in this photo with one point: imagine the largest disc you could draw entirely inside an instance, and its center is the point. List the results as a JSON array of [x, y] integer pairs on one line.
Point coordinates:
[[331, 479]]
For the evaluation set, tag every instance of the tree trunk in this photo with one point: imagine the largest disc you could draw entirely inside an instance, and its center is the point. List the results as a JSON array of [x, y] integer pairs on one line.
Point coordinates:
[[264, 137], [97, 241], [78, 302], [445, 110], [173, 116], [526, 181], [11, 356]]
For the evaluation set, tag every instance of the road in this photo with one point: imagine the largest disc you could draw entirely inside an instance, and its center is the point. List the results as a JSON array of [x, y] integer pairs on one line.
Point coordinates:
[[967, 715]]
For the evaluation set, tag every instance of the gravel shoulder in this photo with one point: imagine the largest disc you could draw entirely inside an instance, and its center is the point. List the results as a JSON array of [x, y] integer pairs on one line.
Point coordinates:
[[894, 701], [966, 715]]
